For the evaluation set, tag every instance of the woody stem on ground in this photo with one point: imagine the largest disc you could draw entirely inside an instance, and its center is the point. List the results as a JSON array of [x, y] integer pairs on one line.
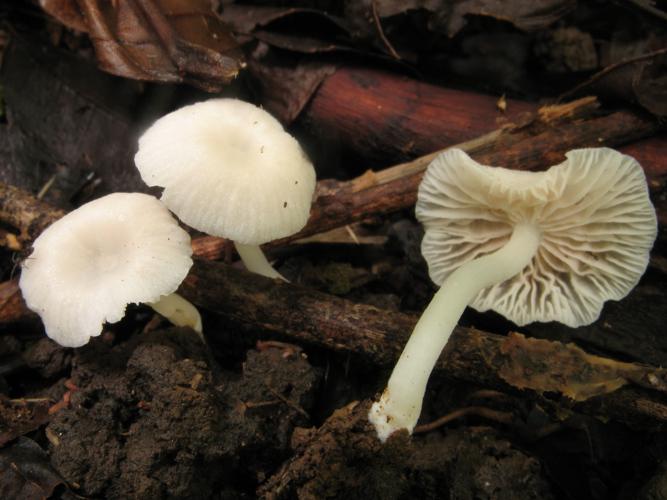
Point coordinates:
[[536, 143], [254, 302]]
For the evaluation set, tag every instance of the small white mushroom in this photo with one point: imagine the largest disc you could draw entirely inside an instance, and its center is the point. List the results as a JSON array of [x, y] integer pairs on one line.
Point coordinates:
[[229, 169], [119, 249], [533, 246]]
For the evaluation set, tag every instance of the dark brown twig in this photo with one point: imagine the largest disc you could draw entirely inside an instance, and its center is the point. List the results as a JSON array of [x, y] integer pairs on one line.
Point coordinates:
[[288, 402], [535, 145], [265, 307], [501, 417], [255, 303], [384, 39], [649, 9], [608, 69], [487, 394]]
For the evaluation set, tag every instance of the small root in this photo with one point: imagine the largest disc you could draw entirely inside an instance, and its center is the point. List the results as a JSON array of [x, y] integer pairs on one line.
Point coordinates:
[[479, 411]]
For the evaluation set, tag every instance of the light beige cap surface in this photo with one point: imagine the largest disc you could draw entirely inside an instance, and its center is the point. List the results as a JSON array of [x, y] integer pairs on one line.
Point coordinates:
[[86, 267], [229, 169], [597, 222]]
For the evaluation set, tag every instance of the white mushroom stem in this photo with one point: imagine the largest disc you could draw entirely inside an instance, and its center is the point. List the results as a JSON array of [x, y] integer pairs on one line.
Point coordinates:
[[179, 311], [256, 262], [401, 402]]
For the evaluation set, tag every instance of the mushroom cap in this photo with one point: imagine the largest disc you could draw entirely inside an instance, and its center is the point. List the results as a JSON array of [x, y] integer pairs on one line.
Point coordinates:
[[593, 210], [86, 267], [229, 169]]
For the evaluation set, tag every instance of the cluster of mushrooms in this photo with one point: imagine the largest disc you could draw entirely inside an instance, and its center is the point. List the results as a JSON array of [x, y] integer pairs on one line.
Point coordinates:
[[532, 246], [228, 168]]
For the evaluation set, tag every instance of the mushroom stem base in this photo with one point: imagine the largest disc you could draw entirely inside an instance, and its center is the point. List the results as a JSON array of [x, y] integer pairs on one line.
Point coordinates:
[[256, 262], [401, 402], [179, 311]]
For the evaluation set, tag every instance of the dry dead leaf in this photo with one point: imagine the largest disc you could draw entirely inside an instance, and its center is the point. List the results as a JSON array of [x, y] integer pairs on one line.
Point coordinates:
[[25, 472], [286, 88], [527, 16], [19, 416], [156, 40], [569, 370], [12, 305], [650, 85], [247, 18], [72, 120], [67, 12]]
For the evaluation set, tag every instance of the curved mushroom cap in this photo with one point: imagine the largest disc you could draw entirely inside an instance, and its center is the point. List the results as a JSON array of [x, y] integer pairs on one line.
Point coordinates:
[[594, 212], [230, 170], [86, 267]]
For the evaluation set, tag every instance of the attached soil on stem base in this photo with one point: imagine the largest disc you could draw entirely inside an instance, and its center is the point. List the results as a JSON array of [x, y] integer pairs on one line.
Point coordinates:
[[344, 459]]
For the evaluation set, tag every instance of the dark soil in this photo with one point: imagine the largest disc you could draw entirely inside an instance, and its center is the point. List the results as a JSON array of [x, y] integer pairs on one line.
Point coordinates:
[[153, 418], [344, 459], [149, 419]]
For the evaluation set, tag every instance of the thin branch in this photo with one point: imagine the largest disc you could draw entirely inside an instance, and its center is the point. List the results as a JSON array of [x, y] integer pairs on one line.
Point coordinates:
[[649, 9], [287, 402], [260, 306], [257, 304], [480, 411], [536, 144], [608, 69], [380, 31]]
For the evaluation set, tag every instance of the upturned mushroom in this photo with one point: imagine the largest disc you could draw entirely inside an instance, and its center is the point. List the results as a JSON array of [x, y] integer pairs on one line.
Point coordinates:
[[119, 249], [229, 169], [533, 246]]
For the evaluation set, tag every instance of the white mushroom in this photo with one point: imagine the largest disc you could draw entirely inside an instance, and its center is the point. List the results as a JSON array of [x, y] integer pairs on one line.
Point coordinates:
[[533, 246], [86, 267], [229, 169]]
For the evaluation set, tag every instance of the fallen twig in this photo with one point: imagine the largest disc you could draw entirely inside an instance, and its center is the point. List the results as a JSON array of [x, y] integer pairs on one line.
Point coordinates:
[[378, 25], [608, 69], [502, 417], [539, 142], [536, 144], [605, 387], [306, 316]]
